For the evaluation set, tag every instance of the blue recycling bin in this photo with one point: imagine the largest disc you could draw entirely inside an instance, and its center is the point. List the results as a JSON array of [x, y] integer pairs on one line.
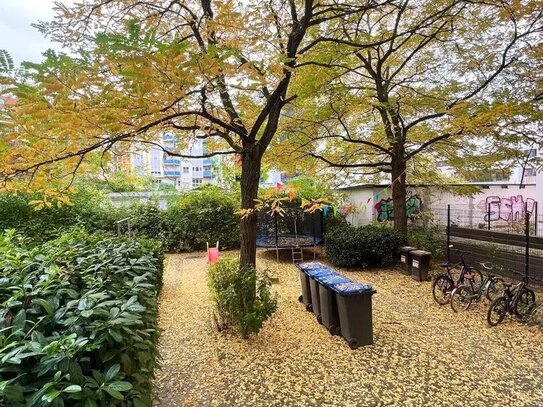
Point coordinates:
[[314, 288], [329, 316], [305, 268], [354, 302]]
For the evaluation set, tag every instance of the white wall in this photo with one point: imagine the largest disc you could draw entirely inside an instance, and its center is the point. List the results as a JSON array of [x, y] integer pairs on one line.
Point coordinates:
[[505, 203]]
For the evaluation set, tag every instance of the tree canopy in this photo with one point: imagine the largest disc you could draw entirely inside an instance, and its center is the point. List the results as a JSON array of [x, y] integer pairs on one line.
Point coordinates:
[[445, 80]]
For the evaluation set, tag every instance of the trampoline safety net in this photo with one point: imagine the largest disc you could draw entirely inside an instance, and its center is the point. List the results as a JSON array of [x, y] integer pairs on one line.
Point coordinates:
[[295, 229]]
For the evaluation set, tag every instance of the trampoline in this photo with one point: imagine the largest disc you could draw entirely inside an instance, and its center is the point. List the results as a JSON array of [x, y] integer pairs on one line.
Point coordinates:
[[288, 241], [295, 230]]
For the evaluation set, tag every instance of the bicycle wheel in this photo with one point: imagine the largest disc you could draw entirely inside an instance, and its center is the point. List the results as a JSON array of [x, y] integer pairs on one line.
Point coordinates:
[[461, 298], [524, 304], [497, 311], [494, 288], [537, 316], [441, 289], [475, 276]]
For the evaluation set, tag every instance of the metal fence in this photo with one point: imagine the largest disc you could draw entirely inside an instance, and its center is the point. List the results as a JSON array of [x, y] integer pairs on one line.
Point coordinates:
[[511, 220], [514, 246]]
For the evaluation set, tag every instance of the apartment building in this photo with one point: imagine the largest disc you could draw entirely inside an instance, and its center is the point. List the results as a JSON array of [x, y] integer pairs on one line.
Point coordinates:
[[182, 173]]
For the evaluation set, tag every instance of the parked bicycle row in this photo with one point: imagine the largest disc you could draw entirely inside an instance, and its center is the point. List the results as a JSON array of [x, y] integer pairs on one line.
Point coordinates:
[[461, 285]]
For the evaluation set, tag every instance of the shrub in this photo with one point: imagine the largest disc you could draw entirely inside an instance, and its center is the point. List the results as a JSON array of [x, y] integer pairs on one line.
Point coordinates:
[[242, 296], [200, 216], [428, 238], [365, 246], [89, 208], [78, 321]]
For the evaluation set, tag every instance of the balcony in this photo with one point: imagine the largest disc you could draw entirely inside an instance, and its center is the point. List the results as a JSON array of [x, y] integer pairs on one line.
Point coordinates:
[[208, 173], [208, 161], [172, 173], [172, 161]]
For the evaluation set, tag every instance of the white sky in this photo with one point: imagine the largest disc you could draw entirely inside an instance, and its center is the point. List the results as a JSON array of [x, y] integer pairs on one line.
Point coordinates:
[[23, 42]]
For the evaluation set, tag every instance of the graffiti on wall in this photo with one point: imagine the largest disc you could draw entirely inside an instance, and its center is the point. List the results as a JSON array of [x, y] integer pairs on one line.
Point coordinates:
[[385, 208], [506, 208]]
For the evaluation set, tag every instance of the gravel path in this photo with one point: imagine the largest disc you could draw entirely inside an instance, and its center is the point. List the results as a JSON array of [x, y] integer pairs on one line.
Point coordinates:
[[424, 355]]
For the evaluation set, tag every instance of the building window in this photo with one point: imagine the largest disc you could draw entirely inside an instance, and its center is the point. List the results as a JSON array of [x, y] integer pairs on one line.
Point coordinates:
[[185, 170], [531, 152], [196, 169], [196, 182], [530, 172]]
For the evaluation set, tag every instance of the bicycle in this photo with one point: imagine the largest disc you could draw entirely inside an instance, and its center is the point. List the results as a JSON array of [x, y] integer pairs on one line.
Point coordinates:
[[445, 283], [537, 316], [465, 294], [519, 302]]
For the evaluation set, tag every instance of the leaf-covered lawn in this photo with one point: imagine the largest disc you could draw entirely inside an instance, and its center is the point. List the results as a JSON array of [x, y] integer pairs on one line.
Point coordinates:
[[423, 355]]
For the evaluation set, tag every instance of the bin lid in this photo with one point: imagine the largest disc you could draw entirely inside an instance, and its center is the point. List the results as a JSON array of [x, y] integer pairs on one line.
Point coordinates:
[[352, 288], [407, 248], [420, 253], [315, 273], [310, 266], [331, 279]]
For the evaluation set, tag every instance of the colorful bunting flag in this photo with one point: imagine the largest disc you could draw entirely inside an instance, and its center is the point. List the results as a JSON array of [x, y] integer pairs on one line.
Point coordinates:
[[343, 209], [279, 186], [305, 202], [335, 210], [325, 210]]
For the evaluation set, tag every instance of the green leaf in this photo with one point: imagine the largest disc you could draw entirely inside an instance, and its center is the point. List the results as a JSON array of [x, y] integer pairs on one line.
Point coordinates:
[[90, 403], [115, 335], [19, 321], [4, 384], [112, 372], [51, 395], [114, 393], [74, 388], [120, 386], [45, 305]]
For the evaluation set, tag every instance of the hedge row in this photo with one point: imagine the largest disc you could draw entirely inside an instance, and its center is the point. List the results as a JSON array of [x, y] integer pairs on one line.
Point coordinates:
[[78, 321], [365, 246], [191, 220]]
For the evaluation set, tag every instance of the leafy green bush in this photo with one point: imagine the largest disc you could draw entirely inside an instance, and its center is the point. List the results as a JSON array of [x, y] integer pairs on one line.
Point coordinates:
[[365, 246], [89, 208], [430, 238], [242, 297], [78, 321], [200, 216]]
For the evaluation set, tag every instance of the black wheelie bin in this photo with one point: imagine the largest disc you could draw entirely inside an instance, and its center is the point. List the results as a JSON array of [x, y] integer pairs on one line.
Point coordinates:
[[355, 312], [306, 268], [329, 316], [314, 288]]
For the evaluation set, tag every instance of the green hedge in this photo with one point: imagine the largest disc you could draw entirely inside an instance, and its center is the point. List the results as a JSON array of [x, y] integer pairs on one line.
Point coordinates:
[[78, 321], [191, 220], [430, 237], [365, 246]]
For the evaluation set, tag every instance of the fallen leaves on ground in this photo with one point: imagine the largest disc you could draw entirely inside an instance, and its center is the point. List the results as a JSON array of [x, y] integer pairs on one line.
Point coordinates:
[[423, 354]]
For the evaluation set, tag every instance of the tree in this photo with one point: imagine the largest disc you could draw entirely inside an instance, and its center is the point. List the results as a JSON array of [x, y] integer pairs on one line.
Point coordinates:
[[437, 83], [219, 71]]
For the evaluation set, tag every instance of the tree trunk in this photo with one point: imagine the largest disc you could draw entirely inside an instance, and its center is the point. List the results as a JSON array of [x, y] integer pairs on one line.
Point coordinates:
[[399, 194], [250, 177]]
